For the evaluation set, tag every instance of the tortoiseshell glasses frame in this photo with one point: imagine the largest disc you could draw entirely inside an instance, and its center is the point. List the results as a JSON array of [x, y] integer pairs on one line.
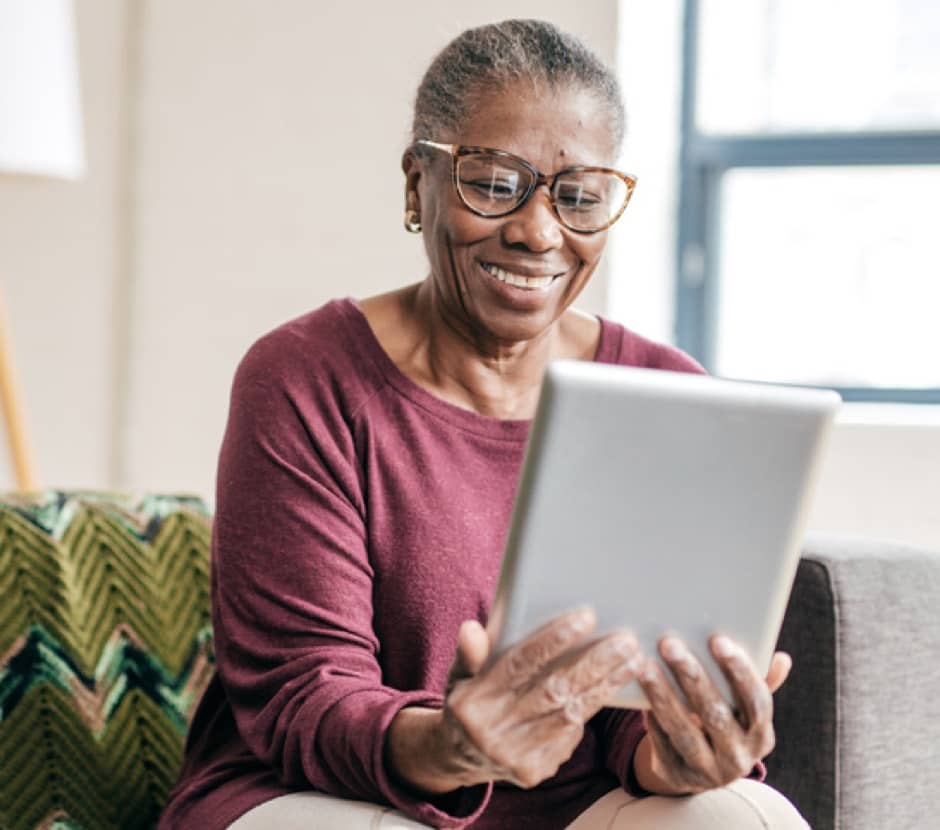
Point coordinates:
[[459, 152]]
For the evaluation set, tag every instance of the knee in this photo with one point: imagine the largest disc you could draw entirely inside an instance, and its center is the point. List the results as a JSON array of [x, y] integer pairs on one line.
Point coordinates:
[[769, 807], [743, 805]]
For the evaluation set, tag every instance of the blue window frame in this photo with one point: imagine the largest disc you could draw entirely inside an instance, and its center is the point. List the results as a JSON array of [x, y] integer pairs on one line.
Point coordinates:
[[705, 159]]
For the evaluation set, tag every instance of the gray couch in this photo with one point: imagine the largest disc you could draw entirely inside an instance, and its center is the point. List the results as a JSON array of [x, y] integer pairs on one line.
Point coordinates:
[[858, 722]]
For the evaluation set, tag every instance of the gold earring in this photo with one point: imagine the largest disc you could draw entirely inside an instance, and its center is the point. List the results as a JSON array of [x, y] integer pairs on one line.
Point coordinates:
[[412, 221]]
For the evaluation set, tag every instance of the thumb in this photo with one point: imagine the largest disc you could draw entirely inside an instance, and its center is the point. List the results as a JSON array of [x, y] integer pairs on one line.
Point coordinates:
[[473, 647], [780, 667]]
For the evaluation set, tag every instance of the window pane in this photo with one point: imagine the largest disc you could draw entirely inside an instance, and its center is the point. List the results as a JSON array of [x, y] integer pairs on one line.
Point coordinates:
[[830, 276], [806, 65]]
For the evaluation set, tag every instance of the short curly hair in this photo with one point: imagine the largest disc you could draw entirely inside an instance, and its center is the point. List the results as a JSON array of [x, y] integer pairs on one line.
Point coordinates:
[[498, 55]]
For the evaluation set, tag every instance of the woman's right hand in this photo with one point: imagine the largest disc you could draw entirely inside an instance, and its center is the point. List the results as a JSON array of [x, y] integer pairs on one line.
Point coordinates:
[[521, 717]]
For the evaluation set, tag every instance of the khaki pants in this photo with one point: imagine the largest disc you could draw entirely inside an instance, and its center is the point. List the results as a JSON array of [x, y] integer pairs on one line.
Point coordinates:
[[744, 805]]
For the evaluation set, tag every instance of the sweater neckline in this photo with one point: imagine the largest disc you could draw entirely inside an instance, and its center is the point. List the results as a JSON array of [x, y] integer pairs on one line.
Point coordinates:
[[506, 429]]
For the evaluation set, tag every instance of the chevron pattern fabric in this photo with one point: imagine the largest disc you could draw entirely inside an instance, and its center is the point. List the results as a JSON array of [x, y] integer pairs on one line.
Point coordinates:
[[105, 649]]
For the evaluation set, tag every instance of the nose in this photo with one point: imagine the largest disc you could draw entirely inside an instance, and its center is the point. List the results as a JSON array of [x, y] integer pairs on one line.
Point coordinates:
[[535, 224]]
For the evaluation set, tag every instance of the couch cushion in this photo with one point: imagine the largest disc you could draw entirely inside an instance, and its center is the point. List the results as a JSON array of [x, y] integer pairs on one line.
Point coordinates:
[[105, 648]]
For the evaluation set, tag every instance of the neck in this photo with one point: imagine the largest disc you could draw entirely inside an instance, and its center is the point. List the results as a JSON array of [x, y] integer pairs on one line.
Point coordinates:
[[493, 377]]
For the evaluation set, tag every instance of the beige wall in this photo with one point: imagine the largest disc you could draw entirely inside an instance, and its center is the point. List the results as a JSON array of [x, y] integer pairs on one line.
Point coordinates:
[[881, 477], [60, 246], [269, 182], [211, 128]]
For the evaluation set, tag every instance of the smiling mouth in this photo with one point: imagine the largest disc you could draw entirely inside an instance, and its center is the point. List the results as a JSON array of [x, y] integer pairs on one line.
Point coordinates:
[[518, 280]]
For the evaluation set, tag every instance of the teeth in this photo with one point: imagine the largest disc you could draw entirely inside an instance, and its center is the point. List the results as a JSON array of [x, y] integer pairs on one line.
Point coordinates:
[[517, 279]]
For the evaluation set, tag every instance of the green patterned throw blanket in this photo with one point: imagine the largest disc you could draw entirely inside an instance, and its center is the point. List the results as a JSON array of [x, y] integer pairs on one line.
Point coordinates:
[[105, 648]]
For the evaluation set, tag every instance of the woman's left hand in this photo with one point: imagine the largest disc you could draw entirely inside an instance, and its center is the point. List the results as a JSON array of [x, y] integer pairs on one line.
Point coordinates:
[[700, 743]]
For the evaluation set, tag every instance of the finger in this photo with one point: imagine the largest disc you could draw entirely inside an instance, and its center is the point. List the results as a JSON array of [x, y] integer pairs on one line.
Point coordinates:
[[684, 734], [579, 684], [596, 672], [750, 690], [780, 667], [527, 659], [732, 749], [669, 763], [473, 647]]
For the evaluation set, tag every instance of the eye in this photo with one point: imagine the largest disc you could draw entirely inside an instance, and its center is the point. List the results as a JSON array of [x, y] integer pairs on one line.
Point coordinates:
[[581, 195], [583, 201], [498, 189], [496, 183], [578, 200]]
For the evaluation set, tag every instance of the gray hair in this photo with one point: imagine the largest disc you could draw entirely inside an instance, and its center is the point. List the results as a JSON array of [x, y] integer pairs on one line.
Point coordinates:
[[498, 55]]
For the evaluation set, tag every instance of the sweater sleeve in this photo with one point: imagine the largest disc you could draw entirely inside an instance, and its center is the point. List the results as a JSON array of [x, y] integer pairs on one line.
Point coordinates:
[[292, 591], [619, 732]]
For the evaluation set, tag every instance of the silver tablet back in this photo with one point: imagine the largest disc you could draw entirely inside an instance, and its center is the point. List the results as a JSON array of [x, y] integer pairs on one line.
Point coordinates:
[[670, 502]]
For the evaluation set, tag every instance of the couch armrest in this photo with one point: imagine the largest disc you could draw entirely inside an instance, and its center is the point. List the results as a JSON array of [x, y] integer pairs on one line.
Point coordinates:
[[858, 722]]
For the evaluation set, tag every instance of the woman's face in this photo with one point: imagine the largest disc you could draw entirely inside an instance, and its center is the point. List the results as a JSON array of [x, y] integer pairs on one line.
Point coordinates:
[[552, 129]]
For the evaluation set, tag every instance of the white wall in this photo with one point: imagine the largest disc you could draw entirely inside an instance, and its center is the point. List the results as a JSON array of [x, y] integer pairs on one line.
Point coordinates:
[[211, 127]]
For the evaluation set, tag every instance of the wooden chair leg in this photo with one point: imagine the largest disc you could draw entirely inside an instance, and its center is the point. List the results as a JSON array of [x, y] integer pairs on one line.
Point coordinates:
[[23, 466]]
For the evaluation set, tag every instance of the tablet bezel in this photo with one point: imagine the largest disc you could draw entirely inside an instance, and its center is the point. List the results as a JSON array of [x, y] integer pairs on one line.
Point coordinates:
[[583, 403]]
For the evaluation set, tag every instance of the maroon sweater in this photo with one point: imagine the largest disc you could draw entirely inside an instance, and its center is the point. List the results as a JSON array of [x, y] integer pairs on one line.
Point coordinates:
[[359, 520]]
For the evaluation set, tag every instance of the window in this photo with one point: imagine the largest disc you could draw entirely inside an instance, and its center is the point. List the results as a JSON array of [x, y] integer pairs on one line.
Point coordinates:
[[810, 183]]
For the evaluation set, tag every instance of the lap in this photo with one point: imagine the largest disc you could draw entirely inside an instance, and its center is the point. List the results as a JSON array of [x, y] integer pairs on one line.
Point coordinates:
[[742, 805]]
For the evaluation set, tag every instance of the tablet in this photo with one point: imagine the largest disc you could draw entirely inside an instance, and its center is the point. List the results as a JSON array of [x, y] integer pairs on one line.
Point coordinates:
[[669, 502]]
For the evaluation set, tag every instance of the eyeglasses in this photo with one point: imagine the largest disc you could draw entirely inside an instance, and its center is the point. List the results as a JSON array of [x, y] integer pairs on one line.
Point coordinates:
[[495, 183]]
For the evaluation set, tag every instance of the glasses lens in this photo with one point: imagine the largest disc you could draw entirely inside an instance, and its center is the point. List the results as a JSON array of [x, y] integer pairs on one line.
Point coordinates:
[[590, 200], [490, 184]]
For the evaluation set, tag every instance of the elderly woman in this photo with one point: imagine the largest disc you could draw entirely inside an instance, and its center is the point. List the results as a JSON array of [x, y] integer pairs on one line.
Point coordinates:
[[365, 485]]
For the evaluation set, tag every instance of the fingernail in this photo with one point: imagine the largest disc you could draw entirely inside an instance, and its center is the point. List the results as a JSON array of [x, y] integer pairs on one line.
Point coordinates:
[[723, 646], [672, 649], [582, 618]]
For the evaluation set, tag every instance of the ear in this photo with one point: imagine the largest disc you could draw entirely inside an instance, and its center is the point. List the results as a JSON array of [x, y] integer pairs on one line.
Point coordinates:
[[411, 166]]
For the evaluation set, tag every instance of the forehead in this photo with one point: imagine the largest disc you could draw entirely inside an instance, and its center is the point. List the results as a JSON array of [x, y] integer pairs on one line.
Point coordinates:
[[552, 128]]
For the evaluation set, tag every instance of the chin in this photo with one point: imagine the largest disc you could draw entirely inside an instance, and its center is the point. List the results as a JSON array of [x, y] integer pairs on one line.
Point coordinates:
[[514, 326]]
